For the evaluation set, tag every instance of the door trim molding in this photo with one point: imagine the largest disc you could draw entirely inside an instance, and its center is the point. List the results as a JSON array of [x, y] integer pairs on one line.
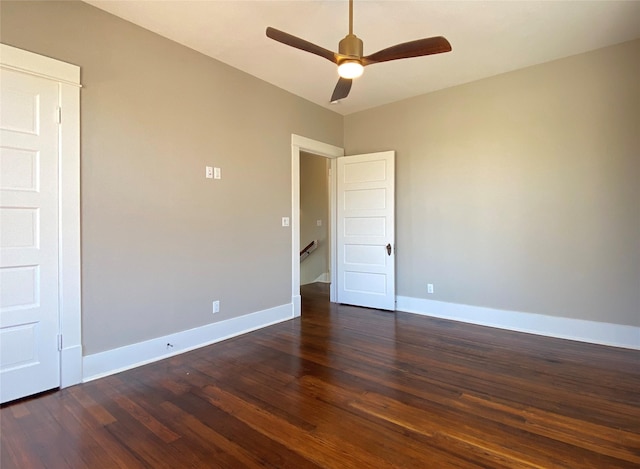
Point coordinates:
[[69, 265], [44, 67], [300, 144]]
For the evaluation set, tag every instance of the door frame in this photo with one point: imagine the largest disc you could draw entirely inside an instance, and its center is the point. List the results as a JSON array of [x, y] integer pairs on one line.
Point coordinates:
[[303, 144], [69, 260]]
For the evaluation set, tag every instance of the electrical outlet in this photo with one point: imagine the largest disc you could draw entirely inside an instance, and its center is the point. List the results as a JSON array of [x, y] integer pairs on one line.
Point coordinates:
[[216, 306], [429, 288], [208, 172]]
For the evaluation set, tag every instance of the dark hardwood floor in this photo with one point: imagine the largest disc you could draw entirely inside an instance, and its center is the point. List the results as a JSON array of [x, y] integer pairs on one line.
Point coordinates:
[[346, 387]]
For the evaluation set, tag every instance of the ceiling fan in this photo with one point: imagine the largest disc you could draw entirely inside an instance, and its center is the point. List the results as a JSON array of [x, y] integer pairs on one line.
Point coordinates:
[[350, 58]]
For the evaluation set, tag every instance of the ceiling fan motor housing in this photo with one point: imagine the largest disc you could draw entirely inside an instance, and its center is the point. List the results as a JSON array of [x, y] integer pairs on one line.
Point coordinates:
[[350, 46]]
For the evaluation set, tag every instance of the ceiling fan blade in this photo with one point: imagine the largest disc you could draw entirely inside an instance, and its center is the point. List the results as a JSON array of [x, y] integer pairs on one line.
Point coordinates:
[[342, 89], [418, 48], [301, 44]]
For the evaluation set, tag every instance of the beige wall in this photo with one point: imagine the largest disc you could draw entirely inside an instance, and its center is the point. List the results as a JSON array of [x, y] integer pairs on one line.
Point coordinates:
[[519, 192], [159, 241], [522, 191], [314, 206]]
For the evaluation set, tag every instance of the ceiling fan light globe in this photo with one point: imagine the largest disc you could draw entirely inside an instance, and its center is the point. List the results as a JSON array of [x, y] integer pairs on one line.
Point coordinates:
[[350, 69]]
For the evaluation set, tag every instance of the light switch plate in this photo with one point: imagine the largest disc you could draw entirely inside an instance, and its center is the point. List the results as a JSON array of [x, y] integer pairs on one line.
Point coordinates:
[[209, 172], [285, 221], [217, 173]]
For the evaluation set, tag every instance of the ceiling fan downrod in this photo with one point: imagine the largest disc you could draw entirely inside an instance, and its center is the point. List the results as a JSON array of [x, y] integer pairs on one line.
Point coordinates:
[[351, 45], [350, 51]]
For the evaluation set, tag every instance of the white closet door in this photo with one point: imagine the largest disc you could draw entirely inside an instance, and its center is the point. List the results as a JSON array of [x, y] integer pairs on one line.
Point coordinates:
[[29, 319]]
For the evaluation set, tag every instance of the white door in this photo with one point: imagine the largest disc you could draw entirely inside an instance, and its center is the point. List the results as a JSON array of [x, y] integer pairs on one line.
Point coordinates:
[[366, 230], [29, 321]]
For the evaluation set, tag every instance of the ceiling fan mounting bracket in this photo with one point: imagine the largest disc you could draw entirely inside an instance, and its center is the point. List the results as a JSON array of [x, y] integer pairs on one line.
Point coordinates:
[[351, 47]]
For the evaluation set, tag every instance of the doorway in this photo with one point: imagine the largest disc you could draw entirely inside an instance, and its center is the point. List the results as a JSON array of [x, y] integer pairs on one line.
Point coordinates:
[[314, 220], [299, 145], [363, 256]]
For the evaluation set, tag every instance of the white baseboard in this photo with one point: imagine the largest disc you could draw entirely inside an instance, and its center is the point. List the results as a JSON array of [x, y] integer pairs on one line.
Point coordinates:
[[323, 278], [114, 361], [603, 333]]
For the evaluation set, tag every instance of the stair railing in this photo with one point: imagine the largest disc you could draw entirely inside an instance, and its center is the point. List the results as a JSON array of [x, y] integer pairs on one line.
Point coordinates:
[[306, 252]]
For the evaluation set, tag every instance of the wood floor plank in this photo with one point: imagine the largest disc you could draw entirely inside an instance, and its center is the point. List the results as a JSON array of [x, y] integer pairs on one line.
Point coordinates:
[[612, 442], [264, 449], [441, 424], [203, 438], [88, 405], [346, 387], [321, 449], [94, 434]]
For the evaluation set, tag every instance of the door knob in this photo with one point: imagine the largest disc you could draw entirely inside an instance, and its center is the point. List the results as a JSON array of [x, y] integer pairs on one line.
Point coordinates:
[[389, 249]]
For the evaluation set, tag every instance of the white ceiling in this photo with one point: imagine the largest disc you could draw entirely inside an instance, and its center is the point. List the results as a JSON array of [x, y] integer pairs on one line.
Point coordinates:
[[488, 38]]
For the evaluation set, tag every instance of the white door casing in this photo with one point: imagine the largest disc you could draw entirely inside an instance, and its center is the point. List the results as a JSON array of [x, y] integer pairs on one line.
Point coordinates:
[[40, 340], [366, 230]]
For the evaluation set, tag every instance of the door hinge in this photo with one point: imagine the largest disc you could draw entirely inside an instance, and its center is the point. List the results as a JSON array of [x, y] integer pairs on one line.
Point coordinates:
[[59, 342], [59, 115]]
